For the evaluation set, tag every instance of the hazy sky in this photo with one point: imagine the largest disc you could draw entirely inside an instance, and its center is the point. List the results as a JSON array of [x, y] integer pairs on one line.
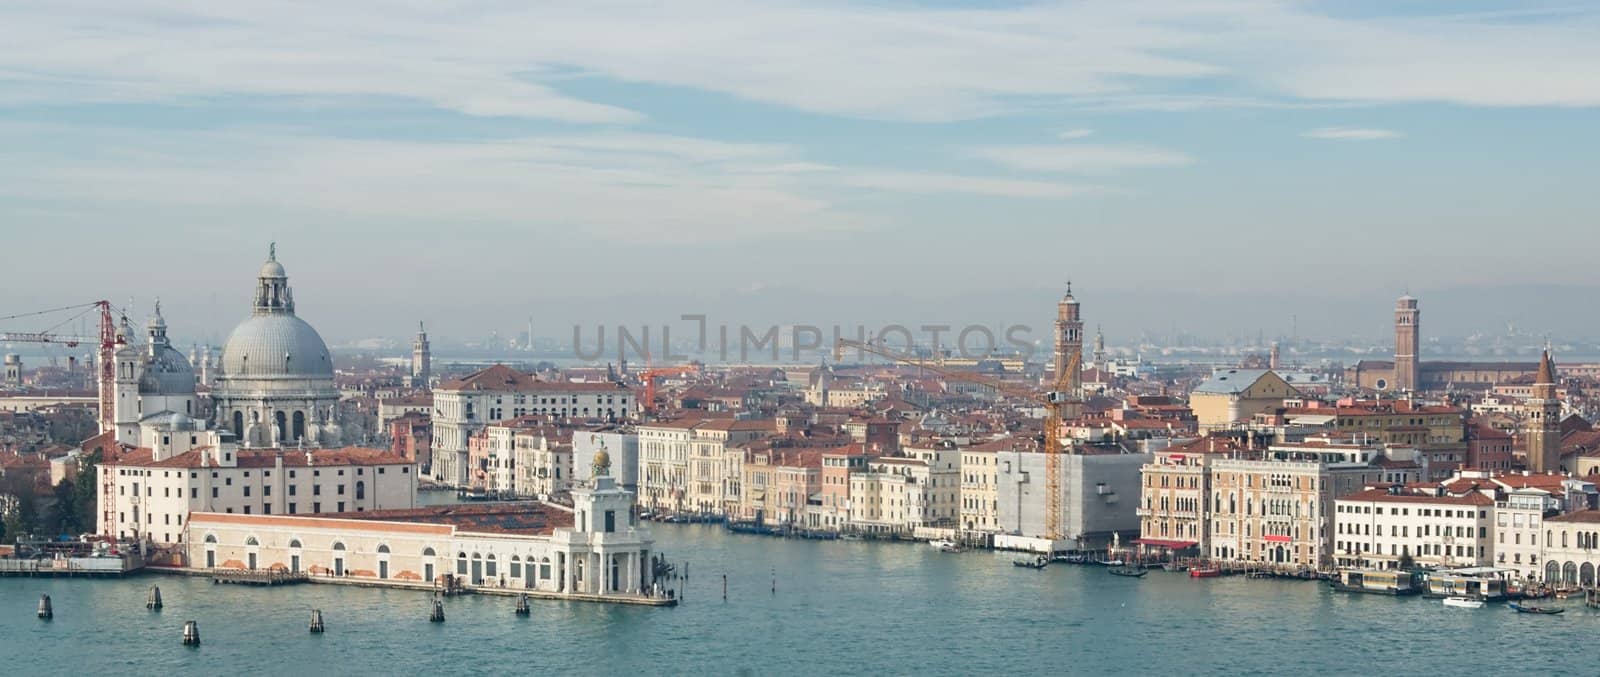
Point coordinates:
[[474, 163]]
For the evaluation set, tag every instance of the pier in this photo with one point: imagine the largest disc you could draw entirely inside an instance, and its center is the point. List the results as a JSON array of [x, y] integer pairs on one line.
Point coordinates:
[[255, 577]]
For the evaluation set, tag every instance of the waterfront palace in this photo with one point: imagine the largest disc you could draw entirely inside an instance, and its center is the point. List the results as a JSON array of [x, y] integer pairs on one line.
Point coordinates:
[[596, 551]]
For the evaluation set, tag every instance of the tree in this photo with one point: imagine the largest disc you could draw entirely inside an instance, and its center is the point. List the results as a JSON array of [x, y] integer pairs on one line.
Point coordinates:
[[21, 506], [87, 491]]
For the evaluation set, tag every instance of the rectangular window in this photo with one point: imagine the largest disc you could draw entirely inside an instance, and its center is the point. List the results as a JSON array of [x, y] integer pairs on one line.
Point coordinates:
[[293, 508], [247, 491], [214, 493]]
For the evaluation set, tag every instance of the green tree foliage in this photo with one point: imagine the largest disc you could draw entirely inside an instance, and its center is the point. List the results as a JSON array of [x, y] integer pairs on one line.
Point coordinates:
[[85, 505]]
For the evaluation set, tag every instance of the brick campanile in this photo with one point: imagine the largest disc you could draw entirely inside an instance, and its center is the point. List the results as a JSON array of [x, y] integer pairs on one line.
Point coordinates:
[[1407, 344]]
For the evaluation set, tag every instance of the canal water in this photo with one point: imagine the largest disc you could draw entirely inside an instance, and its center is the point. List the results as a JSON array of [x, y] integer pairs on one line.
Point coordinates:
[[840, 607]]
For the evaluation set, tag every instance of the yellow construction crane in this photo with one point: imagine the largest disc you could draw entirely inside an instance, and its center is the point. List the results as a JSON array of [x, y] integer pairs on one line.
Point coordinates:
[[1054, 401]]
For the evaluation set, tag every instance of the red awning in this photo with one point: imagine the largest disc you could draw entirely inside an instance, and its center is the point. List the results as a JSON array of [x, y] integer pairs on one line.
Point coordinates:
[[1163, 543], [1279, 539]]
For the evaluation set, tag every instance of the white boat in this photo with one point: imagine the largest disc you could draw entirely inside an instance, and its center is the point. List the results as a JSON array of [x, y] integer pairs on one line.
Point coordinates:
[[945, 546], [1113, 562], [1464, 602]]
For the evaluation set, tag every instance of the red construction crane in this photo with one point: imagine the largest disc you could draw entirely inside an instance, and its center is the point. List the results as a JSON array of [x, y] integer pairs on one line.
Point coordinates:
[[107, 354], [649, 375]]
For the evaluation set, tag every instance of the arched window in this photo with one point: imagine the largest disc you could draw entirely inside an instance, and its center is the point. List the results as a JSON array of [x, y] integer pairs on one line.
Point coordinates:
[[1569, 573], [489, 567], [295, 543], [252, 541], [428, 552], [1552, 572], [1586, 574], [211, 538], [383, 549], [299, 426], [361, 490], [338, 545]]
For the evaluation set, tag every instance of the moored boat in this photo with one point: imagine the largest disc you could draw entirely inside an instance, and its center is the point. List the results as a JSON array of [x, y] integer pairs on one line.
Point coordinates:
[[1378, 582], [1463, 602], [1521, 609], [1205, 572], [1130, 572], [945, 545], [1039, 562]]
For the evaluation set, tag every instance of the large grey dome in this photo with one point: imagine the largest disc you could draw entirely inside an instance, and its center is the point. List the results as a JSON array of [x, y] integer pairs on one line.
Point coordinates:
[[276, 346]]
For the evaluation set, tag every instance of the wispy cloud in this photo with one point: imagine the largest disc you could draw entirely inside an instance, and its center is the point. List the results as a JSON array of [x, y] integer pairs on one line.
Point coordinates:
[[1074, 134], [1079, 158], [1351, 134], [899, 62], [921, 182]]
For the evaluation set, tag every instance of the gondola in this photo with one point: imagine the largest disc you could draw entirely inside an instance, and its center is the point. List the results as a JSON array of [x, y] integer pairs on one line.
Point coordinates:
[[1130, 572], [1534, 610], [1039, 563]]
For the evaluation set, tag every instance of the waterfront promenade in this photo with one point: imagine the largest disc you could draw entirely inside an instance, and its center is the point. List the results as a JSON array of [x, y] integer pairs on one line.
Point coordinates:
[[841, 607]]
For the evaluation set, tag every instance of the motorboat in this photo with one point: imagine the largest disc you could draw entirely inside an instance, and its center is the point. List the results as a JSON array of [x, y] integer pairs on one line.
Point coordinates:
[[1072, 559], [1039, 562], [1112, 562], [1534, 610], [1205, 572], [1463, 602], [1130, 572], [945, 545]]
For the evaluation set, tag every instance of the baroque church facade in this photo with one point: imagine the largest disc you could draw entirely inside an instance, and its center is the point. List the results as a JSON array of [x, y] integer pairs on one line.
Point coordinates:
[[274, 384]]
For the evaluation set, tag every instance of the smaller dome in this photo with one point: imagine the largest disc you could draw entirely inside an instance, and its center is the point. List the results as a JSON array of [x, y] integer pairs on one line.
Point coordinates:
[[171, 421], [602, 462], [166, 372], [272, 269]]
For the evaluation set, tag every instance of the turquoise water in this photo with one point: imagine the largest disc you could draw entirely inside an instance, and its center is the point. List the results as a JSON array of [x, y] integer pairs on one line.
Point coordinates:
[[841, 607]]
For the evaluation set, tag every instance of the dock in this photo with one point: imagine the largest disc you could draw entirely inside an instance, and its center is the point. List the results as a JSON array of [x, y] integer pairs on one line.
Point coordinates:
[[68, 567], [255, 577]]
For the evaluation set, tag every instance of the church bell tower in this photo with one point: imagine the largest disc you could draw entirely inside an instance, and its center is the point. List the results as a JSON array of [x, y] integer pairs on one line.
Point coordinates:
[[1407, 374]]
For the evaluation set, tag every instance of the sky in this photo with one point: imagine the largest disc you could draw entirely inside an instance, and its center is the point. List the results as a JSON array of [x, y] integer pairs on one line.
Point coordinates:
[[1228, 163]]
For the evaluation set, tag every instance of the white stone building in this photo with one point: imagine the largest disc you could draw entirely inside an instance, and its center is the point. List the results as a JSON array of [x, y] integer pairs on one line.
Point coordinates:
[[1519, 531], [597, 552], [156, 487], [543, 462], [463, 407], [152, 381], [664, 448], [1376, 529]]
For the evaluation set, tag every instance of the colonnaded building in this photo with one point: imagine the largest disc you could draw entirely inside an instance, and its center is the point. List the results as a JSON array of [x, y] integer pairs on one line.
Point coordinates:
[[597, 551]]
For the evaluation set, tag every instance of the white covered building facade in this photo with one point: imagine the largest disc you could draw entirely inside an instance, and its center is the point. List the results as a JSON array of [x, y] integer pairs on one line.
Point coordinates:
[[605, 555]]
